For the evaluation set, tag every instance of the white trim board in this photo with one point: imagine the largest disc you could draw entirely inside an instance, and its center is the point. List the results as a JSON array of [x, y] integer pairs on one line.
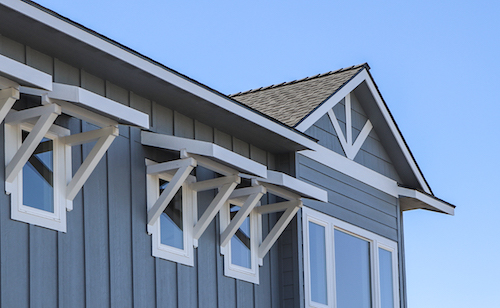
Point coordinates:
[[295, 185], [93, 102], [344, 91], [204, 148], [156, 70], [24, 74], [411, 199]]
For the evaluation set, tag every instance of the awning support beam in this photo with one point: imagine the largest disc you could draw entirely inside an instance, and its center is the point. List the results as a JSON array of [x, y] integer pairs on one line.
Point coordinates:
[[251, 201], [47, 115], [105, 137], [186, 166], [8, 97]]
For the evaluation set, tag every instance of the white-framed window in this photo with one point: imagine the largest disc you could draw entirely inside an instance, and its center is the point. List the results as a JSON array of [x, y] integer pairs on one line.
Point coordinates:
[[347, 266], [172, 233], [38, 192], [240, 253]]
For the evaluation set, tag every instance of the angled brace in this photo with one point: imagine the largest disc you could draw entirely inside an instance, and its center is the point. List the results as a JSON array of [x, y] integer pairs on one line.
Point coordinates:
[[47, 115], [104, 137], [7, 99], [184, 167], [216, 204], [291, 209], [253, 195]]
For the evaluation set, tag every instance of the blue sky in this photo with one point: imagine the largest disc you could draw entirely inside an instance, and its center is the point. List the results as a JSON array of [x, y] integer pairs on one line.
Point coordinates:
[[435, 63]]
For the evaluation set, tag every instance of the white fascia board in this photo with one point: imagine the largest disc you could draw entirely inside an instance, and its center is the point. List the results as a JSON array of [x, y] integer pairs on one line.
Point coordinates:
[[351, 168], [348, 88], [297, 186], [203, 148], [24, 74], [413, 199], [156, 70], [121, 113]]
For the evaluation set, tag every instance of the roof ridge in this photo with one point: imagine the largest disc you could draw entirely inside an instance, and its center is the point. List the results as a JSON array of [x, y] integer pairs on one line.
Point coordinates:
[[286, 83]]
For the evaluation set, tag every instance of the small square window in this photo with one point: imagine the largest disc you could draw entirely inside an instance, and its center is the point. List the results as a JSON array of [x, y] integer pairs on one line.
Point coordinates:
[[172, 231], [38, 193]]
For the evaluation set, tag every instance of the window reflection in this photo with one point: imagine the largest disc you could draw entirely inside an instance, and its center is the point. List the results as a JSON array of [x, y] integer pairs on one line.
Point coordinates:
[[352, 271], [240, 242], [171, 220], [386, 283], [317, 261], [38, 178]]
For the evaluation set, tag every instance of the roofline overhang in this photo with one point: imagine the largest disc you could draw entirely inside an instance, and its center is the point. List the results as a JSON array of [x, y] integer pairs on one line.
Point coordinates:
[[411, 199], [76, 31], [358, 79]]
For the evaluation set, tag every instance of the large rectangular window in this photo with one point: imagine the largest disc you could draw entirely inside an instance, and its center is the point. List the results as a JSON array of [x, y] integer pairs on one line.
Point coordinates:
[[347, 266]]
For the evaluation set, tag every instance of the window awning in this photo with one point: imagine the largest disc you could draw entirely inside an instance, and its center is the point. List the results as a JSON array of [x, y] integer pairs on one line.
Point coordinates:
[[16, 74], [411, 199], [232, 166]]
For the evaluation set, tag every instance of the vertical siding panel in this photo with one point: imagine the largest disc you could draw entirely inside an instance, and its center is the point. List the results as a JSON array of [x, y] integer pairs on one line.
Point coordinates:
[[166, 284], [203, 132], [223, 139], [144, 285], [207, 250], [187, 285], [71, 244], [226, 287], [14, 250], [274, 261], [262, 291], [93, 83], [119, 223], [183, 126], [244, 292], [39, 61], [12, 49], [241, 147], [64, 73], [43, 267], [96, 233], [163, 119], [140, 103]]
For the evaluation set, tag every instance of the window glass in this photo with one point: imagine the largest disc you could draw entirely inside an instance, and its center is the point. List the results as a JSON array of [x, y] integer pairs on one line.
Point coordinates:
[[38, 181], [240, 242], [386, 283], [352, 271], [317, 261], [171, 220]]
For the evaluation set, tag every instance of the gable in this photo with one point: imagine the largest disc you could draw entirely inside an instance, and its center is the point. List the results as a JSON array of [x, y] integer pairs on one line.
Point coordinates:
[[369, 151]]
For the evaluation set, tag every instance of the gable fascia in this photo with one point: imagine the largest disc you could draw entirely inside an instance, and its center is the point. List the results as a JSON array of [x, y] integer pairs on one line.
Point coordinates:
[[156, 70], [364, 76]]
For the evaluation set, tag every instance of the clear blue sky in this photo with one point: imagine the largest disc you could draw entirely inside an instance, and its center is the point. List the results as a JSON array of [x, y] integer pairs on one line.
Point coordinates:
[[437, 66]]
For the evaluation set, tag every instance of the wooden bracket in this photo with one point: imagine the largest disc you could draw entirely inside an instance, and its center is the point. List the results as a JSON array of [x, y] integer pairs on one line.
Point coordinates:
[[279, 227], [253, 195], [184, 168], [7, 99], [104, 137], [46, 117]]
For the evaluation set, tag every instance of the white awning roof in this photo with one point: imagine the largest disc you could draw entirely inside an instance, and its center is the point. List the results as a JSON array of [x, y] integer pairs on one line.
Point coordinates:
[[410, 199], [16, 74]]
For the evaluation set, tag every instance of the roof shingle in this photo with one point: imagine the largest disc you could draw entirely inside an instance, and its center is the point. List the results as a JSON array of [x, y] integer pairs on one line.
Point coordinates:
[[290, 102]]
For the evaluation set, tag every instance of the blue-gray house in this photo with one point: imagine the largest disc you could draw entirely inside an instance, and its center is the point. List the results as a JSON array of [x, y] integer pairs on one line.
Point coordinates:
[[128, 184]]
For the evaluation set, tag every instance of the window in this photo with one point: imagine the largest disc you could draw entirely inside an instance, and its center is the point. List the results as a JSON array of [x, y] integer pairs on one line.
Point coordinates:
[[172, 232], [346, 266], [240, 254], [38, 193]]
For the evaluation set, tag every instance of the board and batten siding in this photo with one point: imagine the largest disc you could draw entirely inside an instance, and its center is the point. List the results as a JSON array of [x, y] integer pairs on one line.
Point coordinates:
[[104, 259]]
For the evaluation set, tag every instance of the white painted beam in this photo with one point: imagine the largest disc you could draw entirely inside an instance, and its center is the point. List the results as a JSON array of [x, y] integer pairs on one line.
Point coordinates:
[[168, 194], [275, 207], [47, 115], [365, 131], [90, 163], [215, 183], [8, 97], [411, 199], [93, 135], [278, 228], [171, 165], [212, 210], [239, 218], [213, 165], [23, 74]]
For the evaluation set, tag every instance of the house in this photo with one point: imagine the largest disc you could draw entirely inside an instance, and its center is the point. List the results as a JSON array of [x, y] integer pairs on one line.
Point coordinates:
[[128, 184]]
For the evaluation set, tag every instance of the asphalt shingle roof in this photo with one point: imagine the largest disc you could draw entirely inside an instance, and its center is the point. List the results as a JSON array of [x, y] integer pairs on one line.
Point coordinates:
[[290, 102]]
